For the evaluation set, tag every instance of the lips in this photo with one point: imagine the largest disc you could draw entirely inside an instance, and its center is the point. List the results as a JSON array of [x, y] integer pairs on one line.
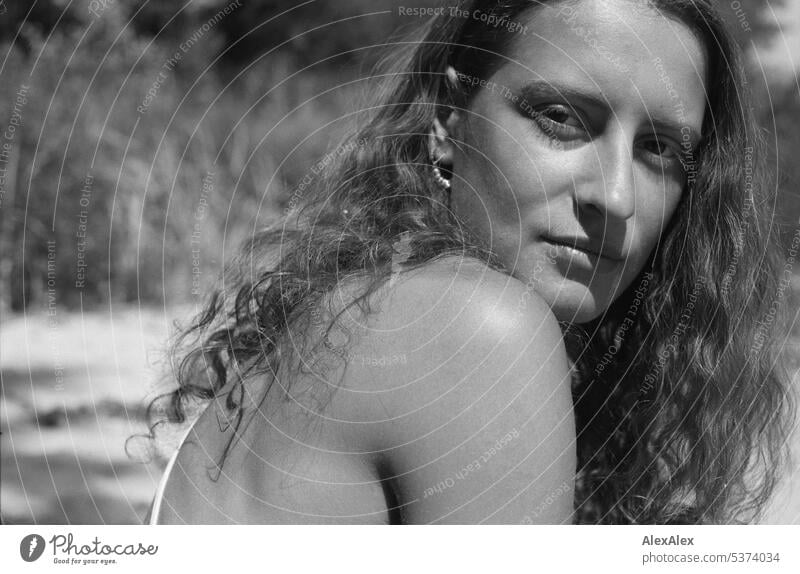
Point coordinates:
[[587, 246]]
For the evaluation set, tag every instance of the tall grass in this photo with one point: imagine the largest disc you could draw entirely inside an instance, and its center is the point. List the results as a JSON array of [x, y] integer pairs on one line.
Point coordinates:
[[137, 176]]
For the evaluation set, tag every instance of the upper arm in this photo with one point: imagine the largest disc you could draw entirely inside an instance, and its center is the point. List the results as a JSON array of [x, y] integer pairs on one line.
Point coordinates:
[[475, 423]]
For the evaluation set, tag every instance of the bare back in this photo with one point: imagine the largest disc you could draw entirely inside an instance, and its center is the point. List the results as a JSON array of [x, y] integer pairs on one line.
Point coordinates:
[[449, 402]]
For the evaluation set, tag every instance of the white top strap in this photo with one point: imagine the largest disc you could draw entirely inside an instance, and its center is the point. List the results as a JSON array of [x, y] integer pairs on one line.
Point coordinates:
[[159, 496]]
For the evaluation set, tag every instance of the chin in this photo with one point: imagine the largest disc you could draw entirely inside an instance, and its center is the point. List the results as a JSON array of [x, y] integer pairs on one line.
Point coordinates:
[[574, 303], [576, 313]]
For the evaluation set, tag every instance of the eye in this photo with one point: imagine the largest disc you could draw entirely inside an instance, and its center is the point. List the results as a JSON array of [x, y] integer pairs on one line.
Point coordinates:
[[661, 147], [559, 114], [556, 120], [665, 153]]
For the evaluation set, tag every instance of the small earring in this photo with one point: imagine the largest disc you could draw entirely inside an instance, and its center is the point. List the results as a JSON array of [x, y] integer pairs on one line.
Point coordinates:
[[438, 177]]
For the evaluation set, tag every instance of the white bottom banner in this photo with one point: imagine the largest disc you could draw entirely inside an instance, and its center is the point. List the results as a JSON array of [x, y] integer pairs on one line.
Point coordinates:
[[353, 549]]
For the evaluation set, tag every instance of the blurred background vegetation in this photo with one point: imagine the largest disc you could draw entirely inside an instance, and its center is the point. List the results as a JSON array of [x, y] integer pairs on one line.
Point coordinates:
[[256, 100], [151, 170]]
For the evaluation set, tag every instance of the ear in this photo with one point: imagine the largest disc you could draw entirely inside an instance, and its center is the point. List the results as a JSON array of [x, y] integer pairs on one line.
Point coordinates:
[[445, 127]]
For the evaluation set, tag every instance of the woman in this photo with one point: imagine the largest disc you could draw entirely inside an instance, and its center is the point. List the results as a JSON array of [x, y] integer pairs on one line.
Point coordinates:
[[533, 288]]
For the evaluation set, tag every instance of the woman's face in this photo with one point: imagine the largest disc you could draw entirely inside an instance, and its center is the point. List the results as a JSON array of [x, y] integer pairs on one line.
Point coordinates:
[[576, 146]]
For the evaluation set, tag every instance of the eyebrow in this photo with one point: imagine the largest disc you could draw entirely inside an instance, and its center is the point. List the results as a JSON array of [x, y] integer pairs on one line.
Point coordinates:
[[541, 88]]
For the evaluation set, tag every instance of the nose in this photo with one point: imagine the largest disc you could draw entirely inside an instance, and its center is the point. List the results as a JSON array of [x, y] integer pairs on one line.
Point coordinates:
[[608, 186]]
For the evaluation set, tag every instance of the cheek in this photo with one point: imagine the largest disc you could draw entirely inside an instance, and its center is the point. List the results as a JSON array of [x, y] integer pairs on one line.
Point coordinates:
[[658, 198], [514, 172], [493, 174], [653, 218]]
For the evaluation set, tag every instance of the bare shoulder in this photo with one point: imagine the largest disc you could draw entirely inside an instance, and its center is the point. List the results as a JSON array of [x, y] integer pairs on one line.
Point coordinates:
[[453, 294], [461, 371], [456, 308]]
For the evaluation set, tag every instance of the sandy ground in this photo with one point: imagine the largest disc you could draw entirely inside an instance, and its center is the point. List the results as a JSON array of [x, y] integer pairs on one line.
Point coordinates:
[[73, 392]]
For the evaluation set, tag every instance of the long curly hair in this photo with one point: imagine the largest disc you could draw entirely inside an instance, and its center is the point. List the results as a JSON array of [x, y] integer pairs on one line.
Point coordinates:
[[682, 407]]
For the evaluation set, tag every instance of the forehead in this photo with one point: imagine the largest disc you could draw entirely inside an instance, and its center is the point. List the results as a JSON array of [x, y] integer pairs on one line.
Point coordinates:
[[623, 49]]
